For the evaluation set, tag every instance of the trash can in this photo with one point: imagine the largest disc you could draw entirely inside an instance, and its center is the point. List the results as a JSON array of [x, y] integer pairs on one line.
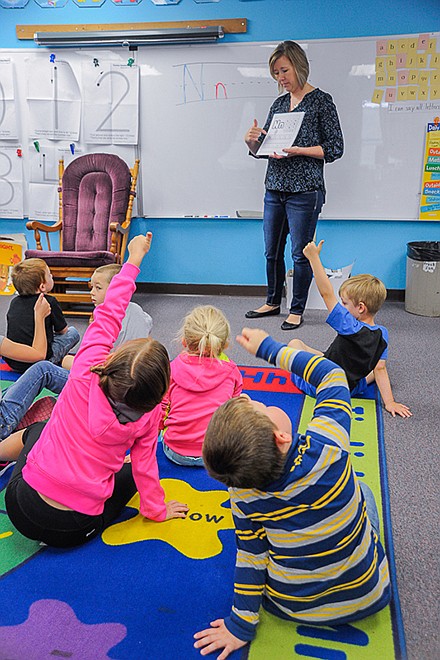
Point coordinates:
[[422, 294]]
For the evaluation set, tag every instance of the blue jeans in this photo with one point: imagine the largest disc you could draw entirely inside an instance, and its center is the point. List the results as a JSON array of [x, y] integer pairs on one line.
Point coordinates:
[[295, 214], [19, 397], [179, 459], [62, 344]]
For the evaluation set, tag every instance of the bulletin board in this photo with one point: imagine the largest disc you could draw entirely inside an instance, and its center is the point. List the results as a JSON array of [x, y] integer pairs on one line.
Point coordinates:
[[192, 107]]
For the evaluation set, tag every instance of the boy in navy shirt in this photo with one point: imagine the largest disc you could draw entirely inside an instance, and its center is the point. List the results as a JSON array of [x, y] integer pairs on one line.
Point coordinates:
[[361, 346], [32, 277]]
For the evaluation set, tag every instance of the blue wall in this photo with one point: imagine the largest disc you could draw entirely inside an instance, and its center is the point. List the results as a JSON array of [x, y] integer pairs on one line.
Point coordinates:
[[231, 251]]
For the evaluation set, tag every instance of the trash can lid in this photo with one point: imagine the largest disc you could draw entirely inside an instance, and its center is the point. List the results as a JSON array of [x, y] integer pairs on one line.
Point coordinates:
[[423, 250]]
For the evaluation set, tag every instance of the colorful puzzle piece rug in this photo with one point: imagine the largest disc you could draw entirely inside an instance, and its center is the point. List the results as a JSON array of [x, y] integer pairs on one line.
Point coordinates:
[[143, 589]]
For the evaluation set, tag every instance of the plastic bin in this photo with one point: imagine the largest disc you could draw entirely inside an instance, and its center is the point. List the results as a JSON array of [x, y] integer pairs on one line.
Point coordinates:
[[422, 294]]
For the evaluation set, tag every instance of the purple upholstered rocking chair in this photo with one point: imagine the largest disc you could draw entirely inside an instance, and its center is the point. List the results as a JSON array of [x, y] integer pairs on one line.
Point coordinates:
[[96, 194]]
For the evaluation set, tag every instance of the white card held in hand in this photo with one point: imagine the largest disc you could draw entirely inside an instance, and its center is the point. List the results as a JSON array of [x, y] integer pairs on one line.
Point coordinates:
[[282, 133]]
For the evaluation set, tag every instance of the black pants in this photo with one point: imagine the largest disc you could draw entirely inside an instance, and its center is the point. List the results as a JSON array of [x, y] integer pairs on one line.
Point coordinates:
[[39, 521]]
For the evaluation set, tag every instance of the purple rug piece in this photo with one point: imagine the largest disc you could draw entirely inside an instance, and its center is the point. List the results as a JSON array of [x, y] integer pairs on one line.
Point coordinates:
[[52, 630]]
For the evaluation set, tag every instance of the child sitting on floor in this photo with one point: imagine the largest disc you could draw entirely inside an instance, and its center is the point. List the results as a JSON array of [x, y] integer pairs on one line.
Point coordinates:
[[202, 378], [16, 409], [32, 277], [361, 346], [70, 481], [136, 324], [307, 531]]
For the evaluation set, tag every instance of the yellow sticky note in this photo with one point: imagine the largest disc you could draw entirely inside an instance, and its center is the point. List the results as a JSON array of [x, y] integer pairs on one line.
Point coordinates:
[[402, 94], [421, 61], [423, 78], [435, 93], [434, 78], [412, 92], [391, 79], [380, 79], [411, 61], [432, 45], [413, 76], [377, 96], [380, 64], [435, 61], [412, 45], [423, 93], [391, 63], [402, 45], [392, 46]]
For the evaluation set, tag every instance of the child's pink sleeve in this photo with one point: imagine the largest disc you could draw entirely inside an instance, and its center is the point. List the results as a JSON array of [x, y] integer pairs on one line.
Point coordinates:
[[102, 333], [146, 471]]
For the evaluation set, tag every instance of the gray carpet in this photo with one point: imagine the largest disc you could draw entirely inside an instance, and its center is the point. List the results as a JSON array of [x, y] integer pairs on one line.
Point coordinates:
[[411, 444]]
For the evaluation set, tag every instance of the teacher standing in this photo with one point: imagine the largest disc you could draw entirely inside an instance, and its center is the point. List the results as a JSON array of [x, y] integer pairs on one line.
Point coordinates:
[[295, 190]]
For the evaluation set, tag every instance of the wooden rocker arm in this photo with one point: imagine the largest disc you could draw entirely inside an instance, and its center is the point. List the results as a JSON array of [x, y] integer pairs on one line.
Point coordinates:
[[34, 224], [36, 227], [118, 228]]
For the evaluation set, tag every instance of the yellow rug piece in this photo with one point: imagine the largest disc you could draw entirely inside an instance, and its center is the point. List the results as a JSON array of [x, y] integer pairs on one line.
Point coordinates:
[[195, 536]]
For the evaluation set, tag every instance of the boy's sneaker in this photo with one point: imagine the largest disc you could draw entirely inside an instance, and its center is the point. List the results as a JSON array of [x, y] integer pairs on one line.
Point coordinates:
[[39, 411], [5, 465]]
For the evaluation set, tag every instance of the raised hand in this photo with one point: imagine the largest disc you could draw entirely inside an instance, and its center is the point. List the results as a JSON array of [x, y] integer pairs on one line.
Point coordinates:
[[138, 248], [312, 250], [251, 339]]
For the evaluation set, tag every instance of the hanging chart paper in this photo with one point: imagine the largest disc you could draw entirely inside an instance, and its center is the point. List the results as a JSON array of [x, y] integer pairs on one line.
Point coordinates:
[[111, 103], [54, 100], [8, 115]]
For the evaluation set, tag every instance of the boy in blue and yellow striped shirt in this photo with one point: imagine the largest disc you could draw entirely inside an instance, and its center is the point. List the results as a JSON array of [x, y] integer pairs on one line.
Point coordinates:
[[308, 548]]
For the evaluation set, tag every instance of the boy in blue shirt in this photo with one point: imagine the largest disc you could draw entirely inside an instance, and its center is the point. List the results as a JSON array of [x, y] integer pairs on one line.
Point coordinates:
[[307, 531], [361, 346]]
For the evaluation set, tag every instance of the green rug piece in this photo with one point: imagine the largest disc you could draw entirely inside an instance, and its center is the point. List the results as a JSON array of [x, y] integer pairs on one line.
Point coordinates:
[[14, 548], [368, 639]]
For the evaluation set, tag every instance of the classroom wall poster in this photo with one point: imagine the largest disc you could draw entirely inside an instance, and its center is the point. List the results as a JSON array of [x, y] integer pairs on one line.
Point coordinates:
[[11, 182], [10, 254], [430, 198], [8, 115]]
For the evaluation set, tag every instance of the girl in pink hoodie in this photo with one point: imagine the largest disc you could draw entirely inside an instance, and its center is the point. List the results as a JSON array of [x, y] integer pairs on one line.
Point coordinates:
[[202, 379], [70, 480]]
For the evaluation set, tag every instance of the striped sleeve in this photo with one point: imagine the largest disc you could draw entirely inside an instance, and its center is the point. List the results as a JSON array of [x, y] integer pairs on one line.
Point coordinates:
[[250, 573], [332, 412]]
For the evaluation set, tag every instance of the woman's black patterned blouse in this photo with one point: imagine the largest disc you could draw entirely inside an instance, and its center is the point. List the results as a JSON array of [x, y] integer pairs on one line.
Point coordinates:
[[320, 126]]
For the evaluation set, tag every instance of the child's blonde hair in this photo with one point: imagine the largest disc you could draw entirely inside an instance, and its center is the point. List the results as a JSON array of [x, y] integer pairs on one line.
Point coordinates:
[[109, 271], [367, 289], [205, 331], [28, 275]]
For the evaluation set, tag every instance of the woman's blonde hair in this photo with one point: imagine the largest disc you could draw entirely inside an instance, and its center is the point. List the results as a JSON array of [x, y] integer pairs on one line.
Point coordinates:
[[137, 374], [296, 56], [205, 331]]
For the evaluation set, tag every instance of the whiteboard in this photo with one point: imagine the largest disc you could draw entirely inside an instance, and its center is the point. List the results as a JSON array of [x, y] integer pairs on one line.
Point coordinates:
[[197, 102]]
